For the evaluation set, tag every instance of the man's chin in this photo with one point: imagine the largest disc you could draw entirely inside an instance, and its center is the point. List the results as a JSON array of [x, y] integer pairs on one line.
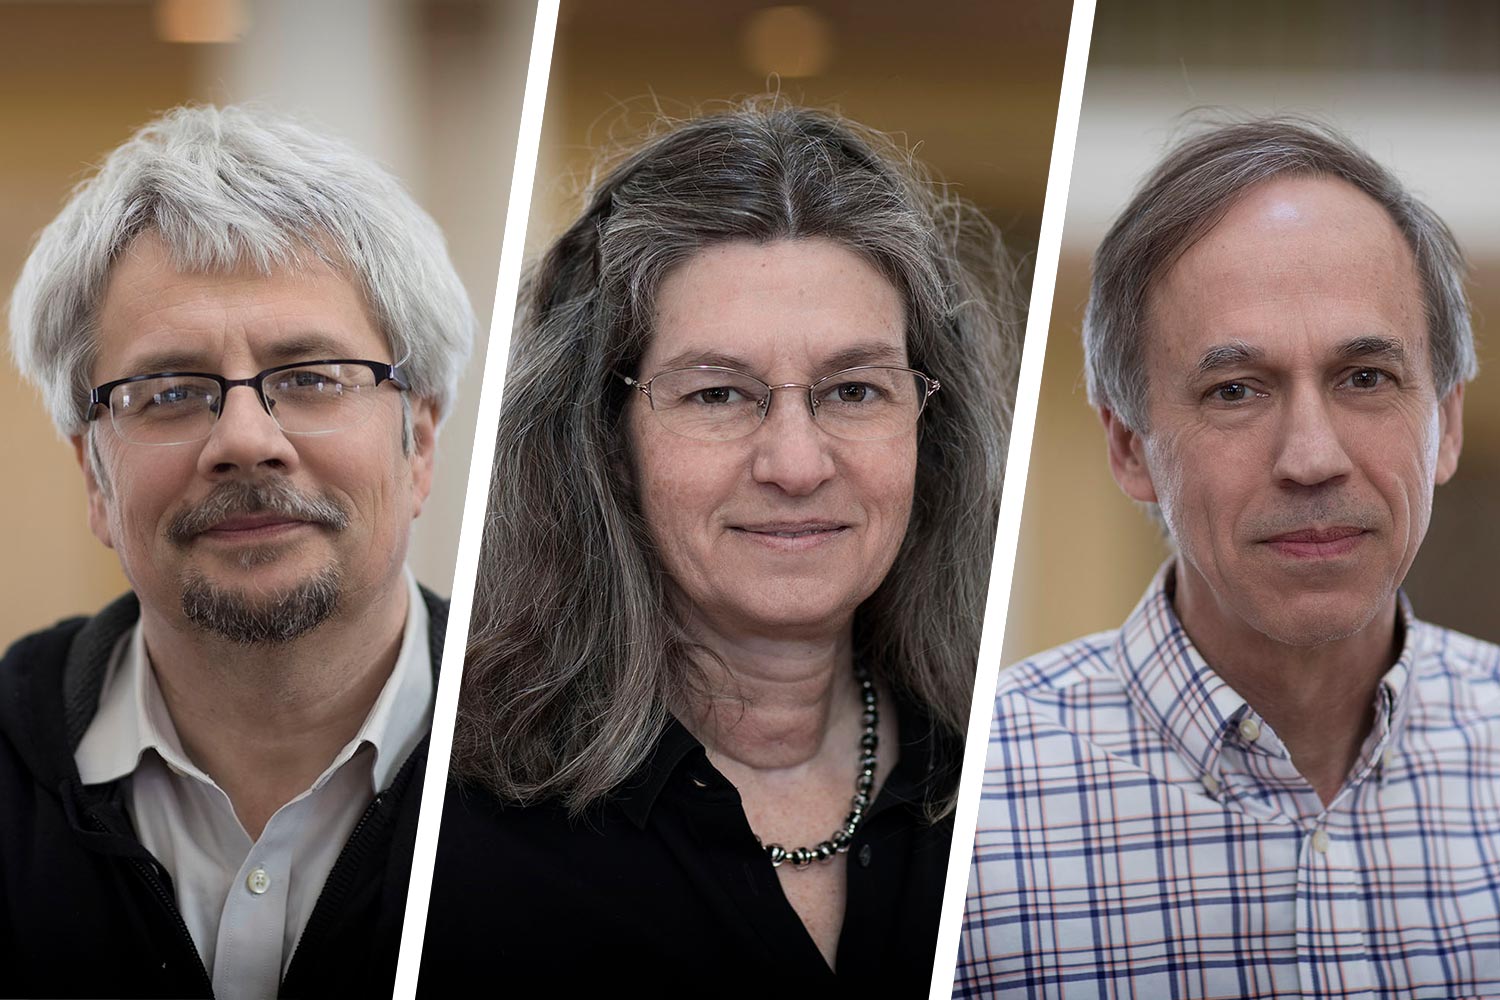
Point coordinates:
[[263, 616]]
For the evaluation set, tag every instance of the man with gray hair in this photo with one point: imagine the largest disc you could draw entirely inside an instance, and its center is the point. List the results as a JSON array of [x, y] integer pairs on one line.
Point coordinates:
[[250, 334], [1273, 780]]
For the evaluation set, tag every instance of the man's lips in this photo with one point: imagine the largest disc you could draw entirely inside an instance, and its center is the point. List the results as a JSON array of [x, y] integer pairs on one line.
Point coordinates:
[[1318, 542], [244, 526]]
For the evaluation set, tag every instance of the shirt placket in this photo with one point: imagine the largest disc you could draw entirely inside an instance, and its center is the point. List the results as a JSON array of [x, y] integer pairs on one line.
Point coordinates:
[[1333, 959], [252, 926]]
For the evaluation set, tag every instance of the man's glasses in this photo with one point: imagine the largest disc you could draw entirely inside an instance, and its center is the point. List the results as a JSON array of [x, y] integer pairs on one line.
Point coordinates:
[[708, 403], [309, 397]]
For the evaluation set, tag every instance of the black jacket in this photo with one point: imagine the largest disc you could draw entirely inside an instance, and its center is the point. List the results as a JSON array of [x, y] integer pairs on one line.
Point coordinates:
[[85, 910]]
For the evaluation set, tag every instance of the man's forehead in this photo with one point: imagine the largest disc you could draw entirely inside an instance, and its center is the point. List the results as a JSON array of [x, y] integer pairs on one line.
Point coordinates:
[[156, 316], [1297, 261]]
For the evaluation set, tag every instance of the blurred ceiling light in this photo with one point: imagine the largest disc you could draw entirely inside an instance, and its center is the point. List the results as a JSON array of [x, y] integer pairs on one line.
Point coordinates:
[[789, 41], [201, 21]]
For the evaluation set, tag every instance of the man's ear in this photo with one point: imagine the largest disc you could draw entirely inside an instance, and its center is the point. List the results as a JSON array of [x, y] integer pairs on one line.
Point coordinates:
[[98, 492], [1127, 457], [1450, 433], [424, 423]]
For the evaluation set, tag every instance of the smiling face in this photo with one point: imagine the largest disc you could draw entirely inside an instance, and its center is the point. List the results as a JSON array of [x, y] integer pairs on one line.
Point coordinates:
[[250, 515], [784, 531], [1295, 431]]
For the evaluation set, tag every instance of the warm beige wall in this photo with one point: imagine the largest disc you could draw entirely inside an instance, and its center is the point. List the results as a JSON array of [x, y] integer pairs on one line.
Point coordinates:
[[974, 86], [74, 80]]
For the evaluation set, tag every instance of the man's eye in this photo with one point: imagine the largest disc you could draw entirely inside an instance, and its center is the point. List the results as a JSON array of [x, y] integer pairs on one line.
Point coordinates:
[[1231, 392], [1368, 378], [172, 395]]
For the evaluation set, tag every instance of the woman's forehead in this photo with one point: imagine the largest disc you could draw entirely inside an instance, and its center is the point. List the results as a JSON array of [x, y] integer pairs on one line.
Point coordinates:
[[801, 302]]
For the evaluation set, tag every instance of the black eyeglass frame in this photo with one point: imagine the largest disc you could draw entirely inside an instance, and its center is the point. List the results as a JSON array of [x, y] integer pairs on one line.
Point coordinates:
[[99, 395]]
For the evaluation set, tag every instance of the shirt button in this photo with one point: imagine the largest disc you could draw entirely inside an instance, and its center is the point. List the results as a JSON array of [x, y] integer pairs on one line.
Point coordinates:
[[865, 854], [1249, 729], [258, 881], [1320, 841], [1210, 784], [1388, 755]]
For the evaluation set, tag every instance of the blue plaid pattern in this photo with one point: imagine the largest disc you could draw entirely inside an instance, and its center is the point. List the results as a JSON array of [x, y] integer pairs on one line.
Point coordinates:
[[1143, 832]]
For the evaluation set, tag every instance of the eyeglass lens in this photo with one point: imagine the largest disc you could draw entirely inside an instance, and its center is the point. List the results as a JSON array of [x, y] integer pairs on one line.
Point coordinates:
[[861, 404], [172, 409]]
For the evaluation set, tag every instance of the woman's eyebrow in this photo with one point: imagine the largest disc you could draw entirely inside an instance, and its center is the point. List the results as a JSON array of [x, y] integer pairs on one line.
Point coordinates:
[[871, 353], [693, 357]]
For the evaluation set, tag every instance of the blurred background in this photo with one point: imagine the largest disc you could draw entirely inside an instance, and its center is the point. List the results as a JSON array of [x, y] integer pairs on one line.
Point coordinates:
[[430, 88], [971, 87], [1418, 86]]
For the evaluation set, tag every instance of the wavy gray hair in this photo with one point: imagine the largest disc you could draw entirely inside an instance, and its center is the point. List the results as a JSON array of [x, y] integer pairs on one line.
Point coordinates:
[[224, 187], [575, 657], [1187, 195]]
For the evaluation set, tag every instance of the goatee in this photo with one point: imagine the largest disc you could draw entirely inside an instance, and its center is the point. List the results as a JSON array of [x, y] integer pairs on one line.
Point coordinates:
[[262, 620]]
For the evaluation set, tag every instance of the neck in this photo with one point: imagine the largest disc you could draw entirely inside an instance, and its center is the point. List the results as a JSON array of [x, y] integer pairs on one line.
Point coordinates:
[[1319, 699], [265, 721], [772, 703]]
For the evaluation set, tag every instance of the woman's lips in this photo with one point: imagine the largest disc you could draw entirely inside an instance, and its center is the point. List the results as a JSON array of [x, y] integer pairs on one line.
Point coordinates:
[[790, 536], [1318, 543]]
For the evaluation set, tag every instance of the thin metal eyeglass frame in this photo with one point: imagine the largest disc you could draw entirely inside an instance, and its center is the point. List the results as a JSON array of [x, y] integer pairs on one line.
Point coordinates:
[[931, 385], [99, 395]]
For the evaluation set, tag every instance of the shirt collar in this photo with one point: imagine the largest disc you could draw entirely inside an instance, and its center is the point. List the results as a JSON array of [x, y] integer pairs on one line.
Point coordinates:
[[132, 716], [1194, 709]]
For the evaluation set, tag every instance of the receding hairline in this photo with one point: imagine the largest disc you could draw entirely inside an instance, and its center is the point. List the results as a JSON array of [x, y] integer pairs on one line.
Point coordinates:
[[1206, 224], [300, 343]]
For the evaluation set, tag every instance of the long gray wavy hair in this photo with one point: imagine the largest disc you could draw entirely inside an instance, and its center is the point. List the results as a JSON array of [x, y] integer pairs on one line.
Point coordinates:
[[575, 658]]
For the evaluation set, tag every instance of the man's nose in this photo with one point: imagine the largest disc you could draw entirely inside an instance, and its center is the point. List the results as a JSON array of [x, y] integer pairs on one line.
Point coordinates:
[[791, 451], [246, 440], [1310, 445]]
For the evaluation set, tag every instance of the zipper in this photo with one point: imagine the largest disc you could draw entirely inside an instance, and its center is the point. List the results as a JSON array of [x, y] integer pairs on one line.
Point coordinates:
[[153, 882], [336, 886]]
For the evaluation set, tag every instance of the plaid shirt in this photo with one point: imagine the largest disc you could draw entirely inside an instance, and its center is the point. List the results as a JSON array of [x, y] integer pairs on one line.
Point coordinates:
[[1143, 832]]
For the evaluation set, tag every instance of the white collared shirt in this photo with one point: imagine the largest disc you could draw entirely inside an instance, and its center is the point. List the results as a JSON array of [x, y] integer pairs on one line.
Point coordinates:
[[1143, 831], [245, 903]]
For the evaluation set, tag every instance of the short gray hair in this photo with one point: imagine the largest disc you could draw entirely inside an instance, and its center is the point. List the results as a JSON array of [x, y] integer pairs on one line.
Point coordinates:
[[224, 187], [1187, 195], [576, 655]]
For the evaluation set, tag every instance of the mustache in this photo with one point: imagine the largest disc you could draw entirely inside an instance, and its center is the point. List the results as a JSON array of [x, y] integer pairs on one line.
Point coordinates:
[[266, 496], [1329, 513]]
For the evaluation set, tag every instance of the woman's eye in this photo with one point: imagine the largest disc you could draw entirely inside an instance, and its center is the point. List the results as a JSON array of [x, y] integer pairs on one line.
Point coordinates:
[[853, 392], [716, 395]]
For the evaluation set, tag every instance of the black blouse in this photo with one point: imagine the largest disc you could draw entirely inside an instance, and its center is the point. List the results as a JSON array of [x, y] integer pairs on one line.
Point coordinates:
[[664, 887]]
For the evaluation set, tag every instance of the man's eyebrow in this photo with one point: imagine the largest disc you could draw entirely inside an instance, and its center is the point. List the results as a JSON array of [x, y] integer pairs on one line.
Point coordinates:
[[1229, 355], [308, 346], [1373, 347]]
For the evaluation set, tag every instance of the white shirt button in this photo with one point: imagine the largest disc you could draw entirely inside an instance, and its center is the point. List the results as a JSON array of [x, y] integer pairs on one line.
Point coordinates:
[[1387, 755], [258, 881], [1320, 841], [1249, 729], [1210, 784]]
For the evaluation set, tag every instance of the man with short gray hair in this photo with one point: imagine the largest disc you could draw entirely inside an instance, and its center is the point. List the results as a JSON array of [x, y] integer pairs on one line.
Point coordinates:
[[1273, 779], [250, 334]]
